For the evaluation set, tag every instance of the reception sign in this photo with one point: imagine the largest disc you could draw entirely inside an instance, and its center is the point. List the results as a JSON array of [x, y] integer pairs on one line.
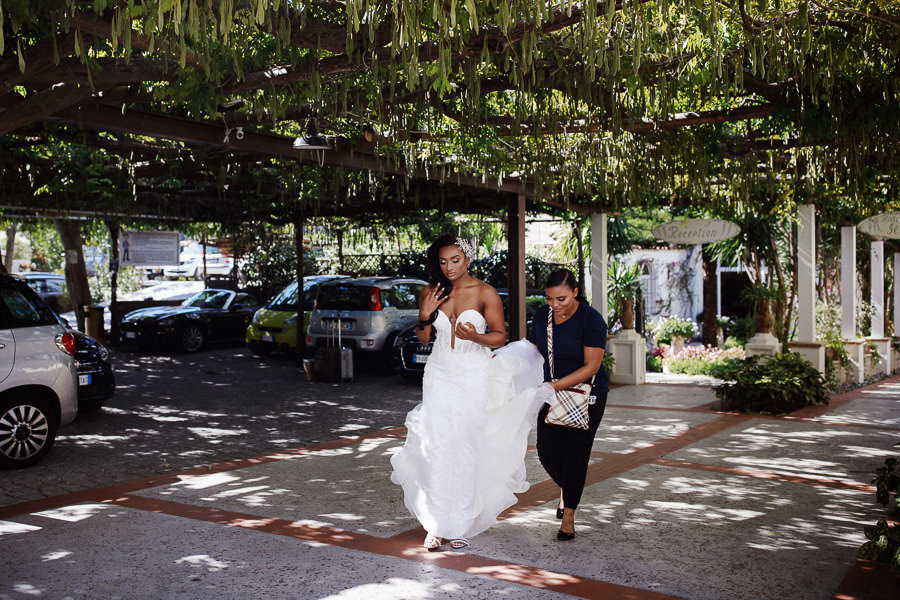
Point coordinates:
[[885, 225], [148, 248], [696, 231]]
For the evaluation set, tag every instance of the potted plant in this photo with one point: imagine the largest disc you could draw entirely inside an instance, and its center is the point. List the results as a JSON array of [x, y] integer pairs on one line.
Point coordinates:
[[761, 297], [673, 331], [624, 284]]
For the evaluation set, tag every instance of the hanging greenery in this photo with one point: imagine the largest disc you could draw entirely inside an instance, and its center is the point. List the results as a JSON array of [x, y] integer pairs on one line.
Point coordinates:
[[610, 103]]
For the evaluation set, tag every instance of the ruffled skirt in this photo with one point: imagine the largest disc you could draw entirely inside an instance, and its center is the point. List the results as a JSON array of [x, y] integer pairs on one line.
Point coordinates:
[[464, 456]]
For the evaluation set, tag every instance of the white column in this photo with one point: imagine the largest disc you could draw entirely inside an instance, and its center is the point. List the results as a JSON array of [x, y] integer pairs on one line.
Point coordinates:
[[848, 283], [877, 274], [806, 273], [896, 294], [598, 263]]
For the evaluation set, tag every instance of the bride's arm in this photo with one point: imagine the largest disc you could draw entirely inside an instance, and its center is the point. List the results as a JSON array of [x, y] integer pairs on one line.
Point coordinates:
[[493, 315]]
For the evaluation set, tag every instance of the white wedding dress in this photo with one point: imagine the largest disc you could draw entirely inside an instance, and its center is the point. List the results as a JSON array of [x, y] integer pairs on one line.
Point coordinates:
[[464, 456]]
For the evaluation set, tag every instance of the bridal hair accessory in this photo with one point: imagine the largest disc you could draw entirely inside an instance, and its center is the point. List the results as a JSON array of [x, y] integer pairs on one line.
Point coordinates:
[[466, 247]]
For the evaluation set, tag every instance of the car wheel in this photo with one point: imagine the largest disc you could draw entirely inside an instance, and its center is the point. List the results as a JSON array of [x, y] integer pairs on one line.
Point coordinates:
[[191, 338], [27, 429]]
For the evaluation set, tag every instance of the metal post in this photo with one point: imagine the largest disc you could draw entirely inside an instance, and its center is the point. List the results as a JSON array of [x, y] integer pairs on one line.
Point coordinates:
[[301, 334]]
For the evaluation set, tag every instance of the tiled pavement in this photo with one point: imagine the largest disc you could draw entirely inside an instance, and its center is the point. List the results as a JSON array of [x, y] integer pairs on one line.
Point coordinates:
[[682, 501]]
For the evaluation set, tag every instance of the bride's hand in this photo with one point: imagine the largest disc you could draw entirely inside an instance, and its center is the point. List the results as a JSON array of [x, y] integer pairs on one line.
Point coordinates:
[[466, 331], [431, 301]]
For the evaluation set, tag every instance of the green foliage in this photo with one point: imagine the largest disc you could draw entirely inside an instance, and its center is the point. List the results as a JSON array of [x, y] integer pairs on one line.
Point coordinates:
[[609, 362], [773, 385], [624, 283], [883, 545], [727, 369], [654, 364], [270, 261], [887, 482], [667, 328], [740, 331]]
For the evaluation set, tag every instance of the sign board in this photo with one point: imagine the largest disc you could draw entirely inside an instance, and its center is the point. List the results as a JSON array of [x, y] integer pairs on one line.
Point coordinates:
[[885, 225], [696, 231], [148, 248]]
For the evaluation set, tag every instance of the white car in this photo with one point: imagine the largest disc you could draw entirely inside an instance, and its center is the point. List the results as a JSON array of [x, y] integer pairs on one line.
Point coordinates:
[[38, 379], [216, 264]]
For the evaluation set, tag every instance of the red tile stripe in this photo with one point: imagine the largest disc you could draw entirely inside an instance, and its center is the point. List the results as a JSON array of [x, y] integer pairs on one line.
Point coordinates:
[[572, 585], [781, 477], [869, 580]]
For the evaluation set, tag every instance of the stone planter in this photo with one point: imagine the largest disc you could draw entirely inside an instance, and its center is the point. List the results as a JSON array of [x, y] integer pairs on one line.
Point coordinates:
[[677, 345], [627, 317]]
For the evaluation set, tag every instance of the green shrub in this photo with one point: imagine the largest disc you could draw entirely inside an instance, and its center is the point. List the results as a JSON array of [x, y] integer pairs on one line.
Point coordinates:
[[883, 543], [654, 364], [688, 366], [742, 330], [727, 369], [732, 342], [773, 385]]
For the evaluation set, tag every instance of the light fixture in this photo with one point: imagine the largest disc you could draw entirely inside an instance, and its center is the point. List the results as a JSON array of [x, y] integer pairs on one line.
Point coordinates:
[[312, 140]]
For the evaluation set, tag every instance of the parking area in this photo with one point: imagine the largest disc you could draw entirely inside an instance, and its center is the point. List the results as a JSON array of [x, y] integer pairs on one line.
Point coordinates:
[[179, 411]]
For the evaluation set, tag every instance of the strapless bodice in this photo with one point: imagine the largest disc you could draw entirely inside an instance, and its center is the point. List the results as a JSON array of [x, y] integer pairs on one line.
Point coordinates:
[[444, 341]]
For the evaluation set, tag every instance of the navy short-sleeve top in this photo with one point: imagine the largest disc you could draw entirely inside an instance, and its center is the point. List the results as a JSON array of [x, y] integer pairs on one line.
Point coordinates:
[[584, 328]]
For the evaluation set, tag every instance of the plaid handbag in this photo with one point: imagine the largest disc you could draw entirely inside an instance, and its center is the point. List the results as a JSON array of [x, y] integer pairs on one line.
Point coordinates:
[[571, 407]]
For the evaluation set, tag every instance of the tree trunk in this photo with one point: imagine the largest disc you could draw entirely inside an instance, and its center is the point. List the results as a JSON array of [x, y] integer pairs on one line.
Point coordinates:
[[76, 272], [10, 246], [710, 323]]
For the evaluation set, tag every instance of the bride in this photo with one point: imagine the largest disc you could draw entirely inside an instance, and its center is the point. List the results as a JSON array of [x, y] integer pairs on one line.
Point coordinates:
[[463, 458]]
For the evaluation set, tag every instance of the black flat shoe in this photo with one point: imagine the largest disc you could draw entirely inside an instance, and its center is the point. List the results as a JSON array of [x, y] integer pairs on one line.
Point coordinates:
[[559, 513], [565, 536]]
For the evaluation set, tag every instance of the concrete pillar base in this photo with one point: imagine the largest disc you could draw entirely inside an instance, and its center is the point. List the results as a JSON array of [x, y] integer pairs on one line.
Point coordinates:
[[857, 351], [814, 352], [629, 351], [884, 347], [762, 343]]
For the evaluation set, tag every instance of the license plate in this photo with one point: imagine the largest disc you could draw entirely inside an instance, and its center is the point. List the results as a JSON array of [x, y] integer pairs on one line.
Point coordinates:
[[420, 359], [131, 334], [345, 325], [267, 337], [84, 380]]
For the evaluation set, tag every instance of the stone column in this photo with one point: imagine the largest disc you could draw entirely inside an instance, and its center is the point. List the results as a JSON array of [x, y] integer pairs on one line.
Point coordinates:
[[896, 294], [599, 225], [806, 343], [848, 283], [881, 343], [877, 289], [516, 242]]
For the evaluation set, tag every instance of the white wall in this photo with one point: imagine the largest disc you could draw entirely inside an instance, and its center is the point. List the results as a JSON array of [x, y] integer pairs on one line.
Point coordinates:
[[667, 296]]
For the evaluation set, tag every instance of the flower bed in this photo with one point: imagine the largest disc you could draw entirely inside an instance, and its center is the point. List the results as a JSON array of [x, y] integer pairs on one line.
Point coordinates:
[[702, 360]]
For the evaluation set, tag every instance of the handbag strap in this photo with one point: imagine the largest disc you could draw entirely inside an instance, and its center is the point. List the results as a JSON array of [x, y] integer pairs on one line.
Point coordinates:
[[550, 346]]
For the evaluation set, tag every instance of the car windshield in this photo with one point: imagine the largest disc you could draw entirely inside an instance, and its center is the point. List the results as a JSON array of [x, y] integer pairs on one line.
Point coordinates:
[[287, 299], [208, 299], [343, 297]]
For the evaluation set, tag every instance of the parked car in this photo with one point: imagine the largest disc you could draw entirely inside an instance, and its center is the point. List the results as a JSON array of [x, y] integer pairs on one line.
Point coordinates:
[[38, 391], [192, 267], [51, 287], [410, 355], [274, 326], [371, 312], [209, 316], [96, 379]]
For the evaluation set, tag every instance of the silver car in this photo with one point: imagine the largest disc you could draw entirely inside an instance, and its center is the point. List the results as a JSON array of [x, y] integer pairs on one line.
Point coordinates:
[[38, 379], [369, 311]]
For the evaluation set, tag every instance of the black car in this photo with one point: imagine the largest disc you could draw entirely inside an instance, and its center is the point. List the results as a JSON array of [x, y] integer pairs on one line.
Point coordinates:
[[210, 316], [410, 355], [96, 380]]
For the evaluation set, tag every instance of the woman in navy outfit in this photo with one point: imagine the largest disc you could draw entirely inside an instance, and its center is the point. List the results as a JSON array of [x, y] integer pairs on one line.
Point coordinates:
[[579, 341]]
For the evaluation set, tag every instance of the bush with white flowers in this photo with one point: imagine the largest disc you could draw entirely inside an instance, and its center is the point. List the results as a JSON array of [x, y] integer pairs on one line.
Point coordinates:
[[668, 327]]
